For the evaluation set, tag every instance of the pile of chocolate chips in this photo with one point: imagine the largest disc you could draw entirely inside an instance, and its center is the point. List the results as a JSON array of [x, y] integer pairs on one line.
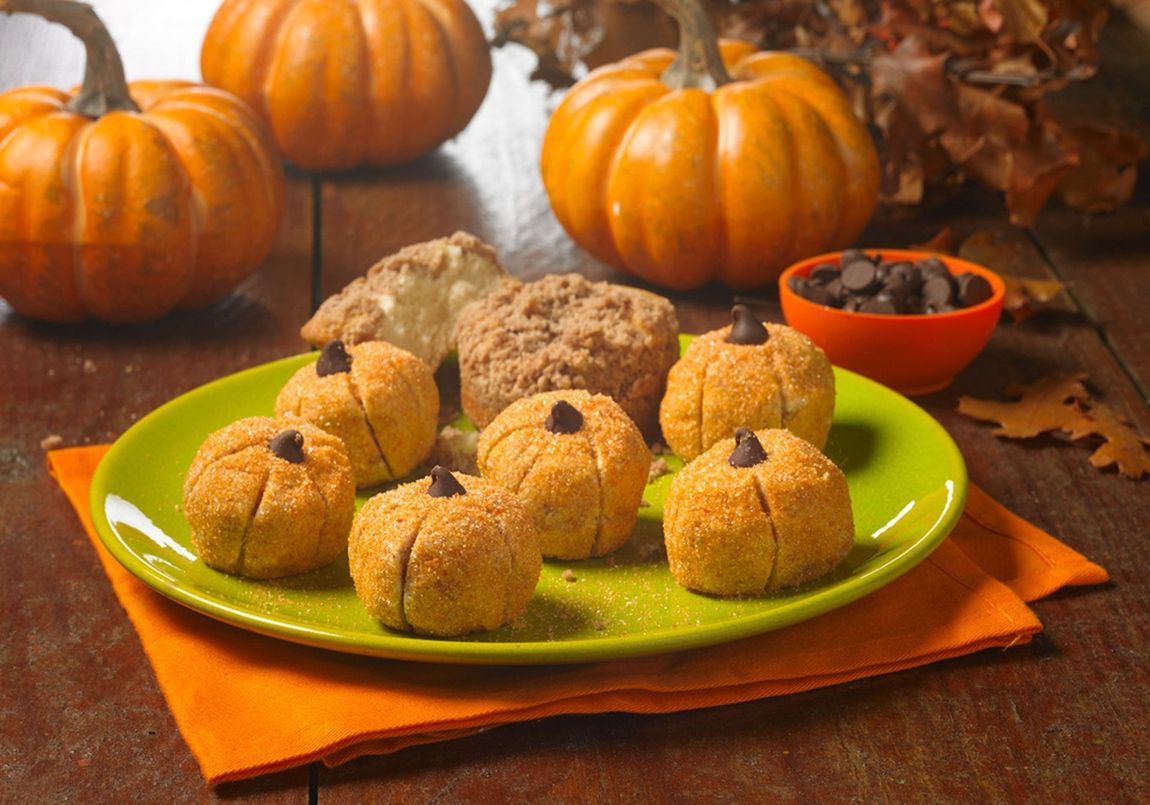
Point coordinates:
[[872, 285]]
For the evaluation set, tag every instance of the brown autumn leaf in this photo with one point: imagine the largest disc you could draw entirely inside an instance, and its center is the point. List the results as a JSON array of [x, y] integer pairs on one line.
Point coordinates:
[[1024, 296], [943, 242], [1008, 256], [1121, 446], [1107, 168], [1042, 406]]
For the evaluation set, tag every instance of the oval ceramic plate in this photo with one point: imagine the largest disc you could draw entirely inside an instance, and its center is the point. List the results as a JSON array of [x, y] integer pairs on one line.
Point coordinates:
[[907, 482]]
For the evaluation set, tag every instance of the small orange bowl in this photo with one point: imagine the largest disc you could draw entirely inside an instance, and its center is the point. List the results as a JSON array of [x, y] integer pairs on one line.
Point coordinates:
[[913, 354]]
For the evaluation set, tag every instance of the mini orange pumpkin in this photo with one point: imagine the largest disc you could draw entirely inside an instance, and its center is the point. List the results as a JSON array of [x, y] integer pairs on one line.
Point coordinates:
[[721, 162], [354, 81], [121, 212]]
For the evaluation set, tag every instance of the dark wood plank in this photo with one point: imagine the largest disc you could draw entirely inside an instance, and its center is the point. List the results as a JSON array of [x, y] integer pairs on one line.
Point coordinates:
[[1104, 256]]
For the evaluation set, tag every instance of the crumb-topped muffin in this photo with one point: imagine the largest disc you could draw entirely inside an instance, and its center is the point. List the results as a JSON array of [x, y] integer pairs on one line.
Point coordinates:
[[444, 556], [269, 497], [411, 298], [379, 399], [747, 375], [757, 513], [578, 463], [563, 332]]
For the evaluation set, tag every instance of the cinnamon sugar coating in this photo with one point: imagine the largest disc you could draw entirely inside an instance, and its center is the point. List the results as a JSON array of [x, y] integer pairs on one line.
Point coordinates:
[[563, 332], [583, 489], [733, 531], [255, 514], [786, 382], [444, 566], [384, 409]]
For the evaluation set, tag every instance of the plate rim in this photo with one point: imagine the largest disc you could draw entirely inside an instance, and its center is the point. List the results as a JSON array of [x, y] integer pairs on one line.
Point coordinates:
[[461, 651]]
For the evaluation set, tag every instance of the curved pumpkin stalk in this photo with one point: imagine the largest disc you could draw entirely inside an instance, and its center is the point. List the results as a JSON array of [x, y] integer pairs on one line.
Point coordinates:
[[105, 88], [698, 64]]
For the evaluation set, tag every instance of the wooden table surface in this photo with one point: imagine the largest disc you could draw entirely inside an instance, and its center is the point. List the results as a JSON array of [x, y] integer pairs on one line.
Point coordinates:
[[1064, 718]]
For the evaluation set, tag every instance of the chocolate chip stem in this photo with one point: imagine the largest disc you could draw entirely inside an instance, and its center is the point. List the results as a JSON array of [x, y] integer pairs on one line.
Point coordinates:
[[745, 328], [564, 418], [333, 359], [444, 484], [748, 450], [288, 445]]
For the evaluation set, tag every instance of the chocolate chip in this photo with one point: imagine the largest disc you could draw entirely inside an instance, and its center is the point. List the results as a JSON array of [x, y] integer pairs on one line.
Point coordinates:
[[564, 418], [333, 359], [748, 450], [443, 484], [973, 289], [824, 272], [938, 291], [932, 266], [288, 445], [869, 284], [860, 276], [819, 295], [745, 328], [882, 304]]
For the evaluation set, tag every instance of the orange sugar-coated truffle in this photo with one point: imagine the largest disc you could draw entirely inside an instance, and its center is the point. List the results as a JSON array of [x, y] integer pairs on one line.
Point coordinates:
[[764, 514], [269, 497], [747, 374], [577, 461], [444, 556], [379, 399]]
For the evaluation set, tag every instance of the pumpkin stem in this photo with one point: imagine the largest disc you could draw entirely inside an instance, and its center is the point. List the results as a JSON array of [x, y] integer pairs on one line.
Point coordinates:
[[104, 89], [699, 64]]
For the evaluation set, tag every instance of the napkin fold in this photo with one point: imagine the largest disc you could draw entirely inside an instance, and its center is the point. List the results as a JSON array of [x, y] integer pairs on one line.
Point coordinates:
[[250, 705]]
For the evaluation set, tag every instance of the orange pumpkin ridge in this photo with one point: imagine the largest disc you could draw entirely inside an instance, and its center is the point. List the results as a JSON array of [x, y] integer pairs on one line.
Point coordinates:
[[347, 82], [121, 212], [718, 163]]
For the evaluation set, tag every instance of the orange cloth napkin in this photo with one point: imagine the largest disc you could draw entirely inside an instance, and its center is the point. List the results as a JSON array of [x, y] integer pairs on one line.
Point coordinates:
[[250, 705]]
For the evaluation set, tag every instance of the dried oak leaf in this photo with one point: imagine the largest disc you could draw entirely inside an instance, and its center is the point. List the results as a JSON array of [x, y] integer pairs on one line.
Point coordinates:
[[943, 242], [1122, 446], [1042, 406], [1107, 168], [1024, 296]]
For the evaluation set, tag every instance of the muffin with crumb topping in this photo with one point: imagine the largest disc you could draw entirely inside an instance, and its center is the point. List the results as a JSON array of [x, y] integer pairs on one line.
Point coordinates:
[[564, 332]]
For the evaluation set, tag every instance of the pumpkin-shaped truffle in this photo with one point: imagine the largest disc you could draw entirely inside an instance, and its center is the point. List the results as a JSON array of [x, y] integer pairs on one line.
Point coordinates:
[[269, 497], [577, 461], [747, 374], [379, 399], [757, 513], [444, 556]]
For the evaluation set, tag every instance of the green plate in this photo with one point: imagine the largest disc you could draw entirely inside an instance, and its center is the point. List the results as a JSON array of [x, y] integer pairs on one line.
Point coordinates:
[[907, 482]]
